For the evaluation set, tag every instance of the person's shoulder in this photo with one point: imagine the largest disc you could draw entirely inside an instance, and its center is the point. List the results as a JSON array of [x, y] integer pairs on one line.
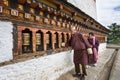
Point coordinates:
[[96, 38], [79, 33]]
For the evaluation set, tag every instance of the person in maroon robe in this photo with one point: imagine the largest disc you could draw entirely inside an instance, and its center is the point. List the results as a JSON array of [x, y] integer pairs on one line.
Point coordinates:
[[92, 59], [79, 43]]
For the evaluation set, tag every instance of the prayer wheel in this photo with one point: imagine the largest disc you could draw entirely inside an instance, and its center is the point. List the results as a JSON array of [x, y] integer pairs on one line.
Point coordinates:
[[38, 39], [26, 39], [47, 38]]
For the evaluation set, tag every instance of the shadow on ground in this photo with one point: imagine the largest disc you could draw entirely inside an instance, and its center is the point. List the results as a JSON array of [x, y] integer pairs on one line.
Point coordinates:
[[69, 76]]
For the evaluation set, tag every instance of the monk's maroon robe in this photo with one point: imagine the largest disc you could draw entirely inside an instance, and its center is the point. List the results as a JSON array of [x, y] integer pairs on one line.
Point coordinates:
[[91, 57], [81, 55]]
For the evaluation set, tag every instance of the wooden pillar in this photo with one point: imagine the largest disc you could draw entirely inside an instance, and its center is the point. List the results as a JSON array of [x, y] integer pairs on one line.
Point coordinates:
[[69, 35], [53, 40], [15, 39], [19, 51], [59, 38], [44, 40], [34, 40], [65, 40]]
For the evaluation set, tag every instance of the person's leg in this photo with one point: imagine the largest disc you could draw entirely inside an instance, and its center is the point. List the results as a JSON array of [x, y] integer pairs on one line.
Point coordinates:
[[77, 68], [84, 69]]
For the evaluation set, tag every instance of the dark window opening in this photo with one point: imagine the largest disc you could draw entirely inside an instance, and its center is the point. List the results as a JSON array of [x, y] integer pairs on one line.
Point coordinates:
[[26, 41], [14, 4], [45, 14], [26, 7], [39, 41], [37, 11], [63, 37], [51, 16], [67, 37], [49, 40], [56, 40]]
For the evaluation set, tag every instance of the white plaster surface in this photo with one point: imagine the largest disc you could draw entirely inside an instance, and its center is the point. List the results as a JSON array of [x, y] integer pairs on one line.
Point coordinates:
[[102, 47], [6, 41], [87, 6], [44, 68]]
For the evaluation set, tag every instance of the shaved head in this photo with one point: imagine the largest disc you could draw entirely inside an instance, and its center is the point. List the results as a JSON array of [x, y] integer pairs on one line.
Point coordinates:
[[72, 29]]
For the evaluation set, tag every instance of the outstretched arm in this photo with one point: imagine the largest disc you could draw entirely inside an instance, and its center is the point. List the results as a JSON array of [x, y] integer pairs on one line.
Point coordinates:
[[86, 41], [68, 43], [96, 43]]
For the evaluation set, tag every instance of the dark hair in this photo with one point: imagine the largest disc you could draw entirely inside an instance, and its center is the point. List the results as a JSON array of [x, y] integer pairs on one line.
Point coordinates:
[[91, 33]]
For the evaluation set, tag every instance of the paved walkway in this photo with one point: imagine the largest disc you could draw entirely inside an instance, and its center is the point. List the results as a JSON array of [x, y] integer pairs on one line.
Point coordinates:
[[115, 72], [94, 72]]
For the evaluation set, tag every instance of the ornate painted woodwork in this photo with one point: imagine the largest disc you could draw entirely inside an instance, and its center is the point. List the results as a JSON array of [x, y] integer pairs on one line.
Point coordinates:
[[45, 24], [14, 12], [1, 9], [5, 2]]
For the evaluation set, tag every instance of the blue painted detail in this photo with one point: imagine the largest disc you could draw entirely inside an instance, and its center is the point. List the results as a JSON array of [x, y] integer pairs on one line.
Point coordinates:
[[117, 8]]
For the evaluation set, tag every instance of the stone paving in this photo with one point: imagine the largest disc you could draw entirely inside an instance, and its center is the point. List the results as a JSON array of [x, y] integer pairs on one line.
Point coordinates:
[[115, 72], [94, 72]]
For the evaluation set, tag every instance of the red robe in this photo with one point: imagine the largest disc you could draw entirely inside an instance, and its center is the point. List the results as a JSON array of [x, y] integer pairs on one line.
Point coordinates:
[[81, 55], [91, 57]]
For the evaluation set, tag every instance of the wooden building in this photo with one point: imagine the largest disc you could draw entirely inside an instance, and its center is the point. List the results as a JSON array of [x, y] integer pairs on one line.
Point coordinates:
[[40, 25], [32, 28]]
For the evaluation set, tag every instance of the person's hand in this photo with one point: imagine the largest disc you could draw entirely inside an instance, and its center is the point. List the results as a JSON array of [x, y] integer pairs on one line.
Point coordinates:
[[63, 44], [91, 46]]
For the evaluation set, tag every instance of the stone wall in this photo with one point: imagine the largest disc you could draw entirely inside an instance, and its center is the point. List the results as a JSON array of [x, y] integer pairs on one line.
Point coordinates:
[[87, 6], [6, 41], [43, 68]]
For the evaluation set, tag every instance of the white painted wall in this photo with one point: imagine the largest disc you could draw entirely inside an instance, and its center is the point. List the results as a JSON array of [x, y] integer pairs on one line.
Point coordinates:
[[43, 68], [6, 41], [87, 6], [102, 47]]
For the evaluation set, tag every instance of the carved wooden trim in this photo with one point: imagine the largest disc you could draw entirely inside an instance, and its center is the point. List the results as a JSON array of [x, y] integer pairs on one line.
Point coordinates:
[[28, 1], [37, 18], [14, 12], [1, 9], [27, 15]]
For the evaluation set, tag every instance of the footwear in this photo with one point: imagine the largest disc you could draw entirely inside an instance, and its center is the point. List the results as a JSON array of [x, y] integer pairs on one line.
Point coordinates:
[[77, 75], [84, 74], [82, 77], [88, 66], [94, 65]]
